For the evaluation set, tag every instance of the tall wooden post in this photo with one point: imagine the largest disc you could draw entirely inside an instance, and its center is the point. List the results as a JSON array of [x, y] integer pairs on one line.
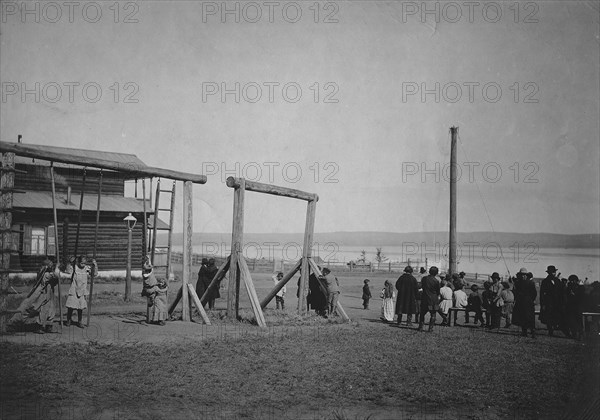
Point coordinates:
[[309, 228], [453, 180], [56, 246], [6, 201], [187, 248], [144, 222], [237, 243], [128, 268]]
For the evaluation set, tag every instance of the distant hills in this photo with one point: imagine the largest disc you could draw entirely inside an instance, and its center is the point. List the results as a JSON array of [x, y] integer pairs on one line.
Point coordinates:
[[375, 239]]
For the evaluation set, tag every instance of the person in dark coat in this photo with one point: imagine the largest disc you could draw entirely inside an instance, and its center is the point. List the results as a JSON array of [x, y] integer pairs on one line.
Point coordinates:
[[430, 299], [317, 298], [366, 295], [574, 301], [474, 304], [524, 310], [487, 299], [552, 301], [406, 301], [211, 271], [200, 283]]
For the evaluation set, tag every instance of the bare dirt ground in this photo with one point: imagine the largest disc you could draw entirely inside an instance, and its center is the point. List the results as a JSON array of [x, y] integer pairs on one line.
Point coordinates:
[[306, 368]]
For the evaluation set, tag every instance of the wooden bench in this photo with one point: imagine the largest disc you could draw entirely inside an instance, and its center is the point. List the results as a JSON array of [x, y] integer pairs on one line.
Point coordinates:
[[456, 310]]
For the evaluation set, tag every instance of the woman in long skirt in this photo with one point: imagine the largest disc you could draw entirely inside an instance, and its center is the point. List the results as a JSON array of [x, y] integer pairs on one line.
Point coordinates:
[[388, 294]]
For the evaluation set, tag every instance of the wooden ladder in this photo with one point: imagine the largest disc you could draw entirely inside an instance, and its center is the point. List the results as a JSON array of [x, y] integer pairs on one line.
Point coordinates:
[[158, 210]]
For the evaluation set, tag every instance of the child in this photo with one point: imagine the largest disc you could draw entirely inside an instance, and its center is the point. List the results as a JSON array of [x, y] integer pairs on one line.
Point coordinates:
[[474, 304], [509, 303], [460, 299], [160, 312], [77, 295], [280, 295], [488, 297], [366, 295], [148, 282], [445, 302]]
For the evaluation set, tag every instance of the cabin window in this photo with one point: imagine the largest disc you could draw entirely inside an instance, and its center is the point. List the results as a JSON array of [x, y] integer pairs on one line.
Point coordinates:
[[35, 240], [38, 241]]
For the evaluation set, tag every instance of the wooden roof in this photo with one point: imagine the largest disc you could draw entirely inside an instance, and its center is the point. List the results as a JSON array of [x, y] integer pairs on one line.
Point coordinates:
[[128, 164]]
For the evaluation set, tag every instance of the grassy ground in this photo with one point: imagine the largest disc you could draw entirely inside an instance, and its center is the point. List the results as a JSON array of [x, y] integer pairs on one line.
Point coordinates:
[[309, 368]]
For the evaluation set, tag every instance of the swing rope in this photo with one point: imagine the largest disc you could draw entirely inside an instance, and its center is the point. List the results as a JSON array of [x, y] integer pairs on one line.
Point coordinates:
[[89, 309]]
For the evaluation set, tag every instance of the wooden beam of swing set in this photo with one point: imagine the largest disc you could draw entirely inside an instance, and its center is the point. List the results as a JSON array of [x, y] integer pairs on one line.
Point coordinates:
[[271, 189], [279, 286], [247, 278], [37, 152], [213, 285]]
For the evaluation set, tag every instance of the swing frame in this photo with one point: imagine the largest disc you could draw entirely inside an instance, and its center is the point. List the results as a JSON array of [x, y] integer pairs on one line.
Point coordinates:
[[133, 170]]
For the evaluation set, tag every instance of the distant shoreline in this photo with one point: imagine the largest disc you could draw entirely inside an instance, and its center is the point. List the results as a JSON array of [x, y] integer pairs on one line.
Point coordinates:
[[383, 239]]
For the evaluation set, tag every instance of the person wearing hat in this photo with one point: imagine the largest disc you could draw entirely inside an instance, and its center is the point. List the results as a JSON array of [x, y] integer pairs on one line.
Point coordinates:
[[474, 304], [551, 301], [525, 294], [406, 302], [366, 294], [430, 298]]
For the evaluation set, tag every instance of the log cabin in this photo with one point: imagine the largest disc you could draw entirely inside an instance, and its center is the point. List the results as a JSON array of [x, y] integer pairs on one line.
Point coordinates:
[[33, 225]]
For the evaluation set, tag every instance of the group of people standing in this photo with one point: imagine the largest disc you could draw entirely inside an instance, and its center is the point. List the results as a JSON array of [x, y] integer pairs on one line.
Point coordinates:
[[562, 301]]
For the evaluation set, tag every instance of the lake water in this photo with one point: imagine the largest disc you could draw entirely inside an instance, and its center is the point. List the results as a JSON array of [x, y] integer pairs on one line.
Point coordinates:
[[584, 262]]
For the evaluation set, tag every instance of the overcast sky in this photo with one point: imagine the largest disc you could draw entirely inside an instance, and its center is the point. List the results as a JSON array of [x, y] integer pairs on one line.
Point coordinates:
[[349, 100]]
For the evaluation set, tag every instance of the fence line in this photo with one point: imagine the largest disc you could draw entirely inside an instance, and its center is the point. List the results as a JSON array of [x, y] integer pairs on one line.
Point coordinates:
[[269, 266]]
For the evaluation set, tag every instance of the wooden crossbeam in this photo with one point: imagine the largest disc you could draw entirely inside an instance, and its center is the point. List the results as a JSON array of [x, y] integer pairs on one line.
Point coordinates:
[[279, 286], [271, 189], [199, 306], [247, 278]]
